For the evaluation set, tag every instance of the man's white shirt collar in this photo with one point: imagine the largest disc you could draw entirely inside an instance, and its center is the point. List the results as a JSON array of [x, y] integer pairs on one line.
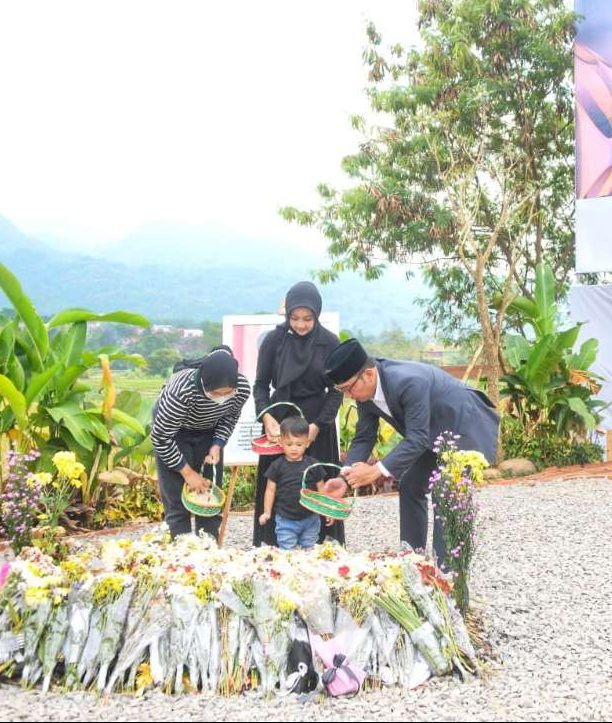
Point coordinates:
[[380, 401], [379, 396]]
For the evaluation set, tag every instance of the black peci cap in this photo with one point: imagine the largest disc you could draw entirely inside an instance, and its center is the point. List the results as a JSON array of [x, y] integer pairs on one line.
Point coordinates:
[[346, 360]]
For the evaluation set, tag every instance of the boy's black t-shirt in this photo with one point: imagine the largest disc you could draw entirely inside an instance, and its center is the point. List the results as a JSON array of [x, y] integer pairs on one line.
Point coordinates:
[[288, 478]]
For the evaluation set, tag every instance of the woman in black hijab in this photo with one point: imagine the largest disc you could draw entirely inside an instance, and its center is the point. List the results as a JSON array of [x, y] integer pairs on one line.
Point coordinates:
[[291, 361]]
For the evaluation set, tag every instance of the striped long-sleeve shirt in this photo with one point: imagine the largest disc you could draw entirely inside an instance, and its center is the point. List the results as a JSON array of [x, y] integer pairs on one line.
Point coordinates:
[[182, 405]]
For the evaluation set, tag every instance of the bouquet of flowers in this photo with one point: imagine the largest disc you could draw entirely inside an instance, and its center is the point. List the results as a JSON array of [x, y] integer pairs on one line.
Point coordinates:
[[185, 614], [452, 487]]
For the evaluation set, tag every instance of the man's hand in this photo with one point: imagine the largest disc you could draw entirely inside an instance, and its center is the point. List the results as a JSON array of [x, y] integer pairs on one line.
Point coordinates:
[[361, 474], [263, 518], [214, 455]]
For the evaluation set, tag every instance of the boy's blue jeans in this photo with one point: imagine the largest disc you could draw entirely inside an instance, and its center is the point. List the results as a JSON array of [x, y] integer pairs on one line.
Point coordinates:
[[302, 533]]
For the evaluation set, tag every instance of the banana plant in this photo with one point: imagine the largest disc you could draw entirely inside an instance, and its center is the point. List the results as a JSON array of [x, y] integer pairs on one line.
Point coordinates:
[[43, 390], [549, 383]]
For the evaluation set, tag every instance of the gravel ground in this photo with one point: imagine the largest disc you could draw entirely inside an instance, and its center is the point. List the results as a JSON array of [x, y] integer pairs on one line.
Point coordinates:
[[542, 583]]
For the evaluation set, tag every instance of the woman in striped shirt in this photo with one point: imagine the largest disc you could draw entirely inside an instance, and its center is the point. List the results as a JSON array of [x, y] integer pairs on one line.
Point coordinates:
[[193, 418]]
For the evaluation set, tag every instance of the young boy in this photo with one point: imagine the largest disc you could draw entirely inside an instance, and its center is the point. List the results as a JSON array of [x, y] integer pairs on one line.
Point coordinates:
[[295, 525]]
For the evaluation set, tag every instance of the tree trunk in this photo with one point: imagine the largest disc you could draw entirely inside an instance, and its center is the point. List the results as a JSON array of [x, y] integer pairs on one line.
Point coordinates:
[[490, 346]]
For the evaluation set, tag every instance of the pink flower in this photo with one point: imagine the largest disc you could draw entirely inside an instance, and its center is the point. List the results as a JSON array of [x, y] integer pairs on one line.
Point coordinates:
[[5, 570]]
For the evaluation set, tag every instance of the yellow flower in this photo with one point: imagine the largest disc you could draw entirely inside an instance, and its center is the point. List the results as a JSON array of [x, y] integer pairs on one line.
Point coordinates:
[[328, 551], [108, 589], [189, 578], [284, 606], [40, 479], [34, 596], [204, 590], [144, 678], [59, 595], [455, 463], [67, 466], [74, 569]]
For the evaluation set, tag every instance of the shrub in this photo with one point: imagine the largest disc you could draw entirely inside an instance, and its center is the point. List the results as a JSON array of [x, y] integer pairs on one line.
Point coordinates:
[[544, 447]]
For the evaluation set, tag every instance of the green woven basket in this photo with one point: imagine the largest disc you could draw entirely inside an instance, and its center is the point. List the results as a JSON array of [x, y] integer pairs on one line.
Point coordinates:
[[323, 504], [197, 507]]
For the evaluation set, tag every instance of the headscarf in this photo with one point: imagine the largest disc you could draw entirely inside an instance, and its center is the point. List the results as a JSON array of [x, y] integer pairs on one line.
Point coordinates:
[[219, 369], [295, 351]]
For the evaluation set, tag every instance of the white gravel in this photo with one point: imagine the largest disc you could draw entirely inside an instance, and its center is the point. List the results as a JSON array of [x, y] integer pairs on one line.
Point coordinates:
[[542, 581]]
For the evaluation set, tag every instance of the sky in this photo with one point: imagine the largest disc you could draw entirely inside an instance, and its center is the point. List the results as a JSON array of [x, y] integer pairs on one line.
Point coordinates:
[[120, 113]]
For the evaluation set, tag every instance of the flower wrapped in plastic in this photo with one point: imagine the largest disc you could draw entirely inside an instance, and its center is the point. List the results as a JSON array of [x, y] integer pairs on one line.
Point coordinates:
[[80, 606], [185, 609], [11, 613], [114, 614], [108, 615], [148, 618], [53, 640], [272, 614], [394, 598], [314, 603]]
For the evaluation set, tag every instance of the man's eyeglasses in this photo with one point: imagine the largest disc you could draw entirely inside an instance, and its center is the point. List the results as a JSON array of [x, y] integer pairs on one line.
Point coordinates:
[[347, 390]]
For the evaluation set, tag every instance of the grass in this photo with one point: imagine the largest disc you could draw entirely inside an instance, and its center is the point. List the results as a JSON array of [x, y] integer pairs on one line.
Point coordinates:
[[149, 387]]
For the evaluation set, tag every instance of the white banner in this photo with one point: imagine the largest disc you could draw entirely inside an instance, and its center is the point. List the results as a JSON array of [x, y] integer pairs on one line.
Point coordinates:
[[594, 235], [592, 305]]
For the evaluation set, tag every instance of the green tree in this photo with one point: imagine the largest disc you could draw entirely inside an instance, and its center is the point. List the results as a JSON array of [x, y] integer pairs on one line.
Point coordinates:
[[393, 343], [161, 361], [470, 170], [213, 333]]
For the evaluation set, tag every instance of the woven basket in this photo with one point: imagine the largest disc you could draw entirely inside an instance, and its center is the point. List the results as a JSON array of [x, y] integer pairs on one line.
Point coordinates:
[[195, 505], [323, 504], [261, 445]]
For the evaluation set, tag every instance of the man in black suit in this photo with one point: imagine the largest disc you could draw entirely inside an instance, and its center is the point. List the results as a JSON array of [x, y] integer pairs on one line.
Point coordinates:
[[420, 401]]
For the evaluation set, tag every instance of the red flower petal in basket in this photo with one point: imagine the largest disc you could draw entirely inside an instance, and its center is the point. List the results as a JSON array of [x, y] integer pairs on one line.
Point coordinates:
[[261, 445], [343, 570]]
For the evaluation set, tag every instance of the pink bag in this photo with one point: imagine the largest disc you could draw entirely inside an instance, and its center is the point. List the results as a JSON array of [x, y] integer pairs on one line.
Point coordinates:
[[340, 676]]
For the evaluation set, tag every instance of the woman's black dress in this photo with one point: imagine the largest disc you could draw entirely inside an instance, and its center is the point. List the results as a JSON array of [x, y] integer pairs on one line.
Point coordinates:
[[282, 355]]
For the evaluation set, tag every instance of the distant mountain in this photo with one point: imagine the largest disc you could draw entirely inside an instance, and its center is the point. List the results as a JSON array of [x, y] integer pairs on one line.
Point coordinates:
[[174, 245], [165, 275]]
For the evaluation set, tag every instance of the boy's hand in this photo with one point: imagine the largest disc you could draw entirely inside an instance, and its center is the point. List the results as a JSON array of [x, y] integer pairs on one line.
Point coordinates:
[[335, 487], [263, 518], [328, 522]]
